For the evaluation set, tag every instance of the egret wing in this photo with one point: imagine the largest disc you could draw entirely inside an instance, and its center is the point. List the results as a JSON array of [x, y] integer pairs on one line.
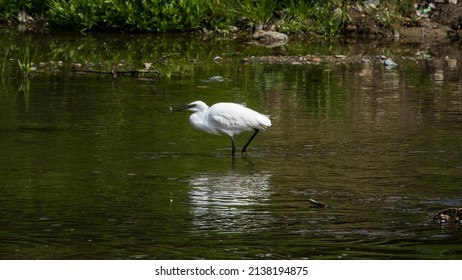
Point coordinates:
[[230, 118]]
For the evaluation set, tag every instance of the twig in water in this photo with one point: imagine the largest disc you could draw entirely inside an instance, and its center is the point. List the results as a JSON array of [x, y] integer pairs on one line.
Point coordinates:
[[165, 57]]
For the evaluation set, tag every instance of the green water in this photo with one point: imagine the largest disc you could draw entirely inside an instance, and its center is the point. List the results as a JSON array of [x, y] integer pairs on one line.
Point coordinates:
[[98, 168]]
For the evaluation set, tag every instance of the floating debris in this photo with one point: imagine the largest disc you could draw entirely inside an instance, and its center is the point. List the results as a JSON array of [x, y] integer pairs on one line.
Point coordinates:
[[390, 63], [448, 216], [217, 59], [424, 11], [423, 55], [318, 204], [147, 65], [217, 79]]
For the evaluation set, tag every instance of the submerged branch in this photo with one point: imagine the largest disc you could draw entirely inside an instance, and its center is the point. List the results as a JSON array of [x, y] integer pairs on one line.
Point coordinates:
[[115, 73], [165, 57], [134, 73]]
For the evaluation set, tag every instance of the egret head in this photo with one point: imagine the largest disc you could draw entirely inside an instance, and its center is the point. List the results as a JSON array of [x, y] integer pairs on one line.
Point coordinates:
[[194, 106]]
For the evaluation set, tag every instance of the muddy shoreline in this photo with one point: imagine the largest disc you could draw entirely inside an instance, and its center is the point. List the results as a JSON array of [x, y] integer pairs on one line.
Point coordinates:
[[433, 33]]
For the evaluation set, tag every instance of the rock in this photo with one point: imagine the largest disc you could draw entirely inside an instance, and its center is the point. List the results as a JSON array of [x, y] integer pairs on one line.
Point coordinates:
[[233, 29], [270, 37], [23, 17], [365, 60]]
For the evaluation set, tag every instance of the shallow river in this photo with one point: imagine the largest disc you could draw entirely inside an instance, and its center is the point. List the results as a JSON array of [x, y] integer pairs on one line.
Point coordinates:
[[93, 167]]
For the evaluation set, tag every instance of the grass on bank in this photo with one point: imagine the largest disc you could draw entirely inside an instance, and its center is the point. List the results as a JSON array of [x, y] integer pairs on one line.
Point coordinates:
[[323, 17]]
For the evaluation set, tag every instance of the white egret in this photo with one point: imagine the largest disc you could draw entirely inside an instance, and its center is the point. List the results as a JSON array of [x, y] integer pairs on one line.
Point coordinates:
[[225, 118]]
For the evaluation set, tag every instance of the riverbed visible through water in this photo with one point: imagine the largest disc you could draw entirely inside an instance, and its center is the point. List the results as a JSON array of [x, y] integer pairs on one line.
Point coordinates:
[[96, 167]]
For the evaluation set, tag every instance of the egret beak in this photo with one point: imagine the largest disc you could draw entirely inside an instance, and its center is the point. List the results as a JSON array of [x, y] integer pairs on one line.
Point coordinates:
[[181, 107]]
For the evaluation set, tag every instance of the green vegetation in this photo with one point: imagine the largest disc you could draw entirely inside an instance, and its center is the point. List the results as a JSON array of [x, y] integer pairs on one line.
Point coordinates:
[[9, 9], [324, 17], [320, 17], [145, 15], [25, 65]]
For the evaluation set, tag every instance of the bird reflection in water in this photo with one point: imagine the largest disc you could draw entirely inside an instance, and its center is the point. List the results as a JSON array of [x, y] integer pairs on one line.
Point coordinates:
[[231, 202]]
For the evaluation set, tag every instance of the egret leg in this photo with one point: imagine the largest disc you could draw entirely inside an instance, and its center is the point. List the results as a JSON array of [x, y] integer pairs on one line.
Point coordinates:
[[234, 146], [244, 150]]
